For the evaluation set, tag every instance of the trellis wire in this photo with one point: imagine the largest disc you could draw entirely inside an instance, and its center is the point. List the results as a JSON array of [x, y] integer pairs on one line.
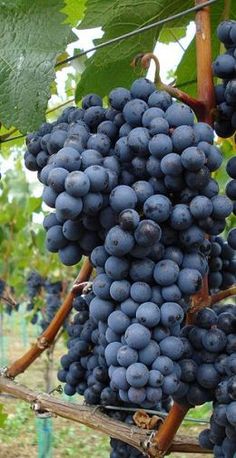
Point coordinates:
[[177, 41], [154, 412]]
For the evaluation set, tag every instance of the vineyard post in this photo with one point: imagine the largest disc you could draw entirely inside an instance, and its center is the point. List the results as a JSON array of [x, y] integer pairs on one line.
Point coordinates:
[[167, 431]]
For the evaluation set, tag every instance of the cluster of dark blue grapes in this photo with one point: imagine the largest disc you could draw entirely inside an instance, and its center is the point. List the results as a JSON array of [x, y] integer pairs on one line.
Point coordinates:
[[225, 67], [222, 264], [138, 296], [132, 189], [145, 144], [53, 292], [34, 284], [208, 374], [85, 369], [78, 172], [37, 285]]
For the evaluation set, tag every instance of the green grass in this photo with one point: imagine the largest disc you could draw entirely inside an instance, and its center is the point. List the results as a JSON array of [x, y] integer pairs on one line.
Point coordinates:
[[67, 438], [89, 443], [199, 413]]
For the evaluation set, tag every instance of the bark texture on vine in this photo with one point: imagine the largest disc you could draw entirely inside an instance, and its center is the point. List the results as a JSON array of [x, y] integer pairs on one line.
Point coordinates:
[[93, 417]]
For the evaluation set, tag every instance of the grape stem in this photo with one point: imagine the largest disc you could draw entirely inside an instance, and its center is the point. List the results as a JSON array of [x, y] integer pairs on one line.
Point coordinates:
[[145, 60], [46, 339], [93, 417], [163, 438], [221, 295], [202, 300], [9, 300]]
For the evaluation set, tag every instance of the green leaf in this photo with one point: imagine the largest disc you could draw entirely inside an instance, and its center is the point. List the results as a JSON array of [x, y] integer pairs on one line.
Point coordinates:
[[201, 412], [186, 74], [32, 35], [97, 13], [186, 71], [172, 34], [33, 204], [74, 9], [110, 66], [3, 416]]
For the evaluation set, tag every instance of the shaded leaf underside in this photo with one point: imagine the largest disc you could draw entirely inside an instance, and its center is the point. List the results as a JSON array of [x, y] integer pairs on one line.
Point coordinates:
[[110, 66]]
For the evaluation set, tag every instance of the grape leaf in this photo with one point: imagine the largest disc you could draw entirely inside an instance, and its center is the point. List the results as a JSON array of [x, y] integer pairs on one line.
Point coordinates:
[[186, 71], [110, 66], [100, 12], [171, 34], [74, 9], [32, 35], [97, 13]]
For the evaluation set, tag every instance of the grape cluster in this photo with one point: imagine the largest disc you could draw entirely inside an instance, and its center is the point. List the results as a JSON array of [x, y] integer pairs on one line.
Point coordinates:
[[208, 374], [34, 284], [224, 67], [53, 301], [222, 265], [78, 174], [95, 347], [204, 344], [140, 207], [141, 327], [37, 286], [84, 368], [132, 189], [143, 151]]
